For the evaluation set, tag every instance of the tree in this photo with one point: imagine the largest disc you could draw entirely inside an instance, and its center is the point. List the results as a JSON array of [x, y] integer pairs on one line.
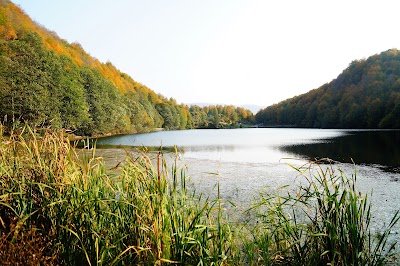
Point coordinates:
[[216, 118], [362, 96]]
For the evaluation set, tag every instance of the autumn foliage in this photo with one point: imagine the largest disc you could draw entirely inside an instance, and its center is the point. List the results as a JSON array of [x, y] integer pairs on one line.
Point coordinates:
[[47, 82]]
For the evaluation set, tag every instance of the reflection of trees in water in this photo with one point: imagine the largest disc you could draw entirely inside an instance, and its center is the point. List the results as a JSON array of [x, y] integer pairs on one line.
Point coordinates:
[[364, 147], [211, 148]]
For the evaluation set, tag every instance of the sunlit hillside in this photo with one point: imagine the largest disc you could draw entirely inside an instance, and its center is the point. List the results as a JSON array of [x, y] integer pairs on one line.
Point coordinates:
[[365, 95], [48, 82]]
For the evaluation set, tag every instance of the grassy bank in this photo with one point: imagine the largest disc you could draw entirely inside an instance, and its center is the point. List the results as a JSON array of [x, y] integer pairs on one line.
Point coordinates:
[[59, 208]]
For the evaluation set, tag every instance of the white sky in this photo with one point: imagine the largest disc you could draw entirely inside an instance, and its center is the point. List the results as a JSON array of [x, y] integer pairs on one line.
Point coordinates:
[[225, 51]]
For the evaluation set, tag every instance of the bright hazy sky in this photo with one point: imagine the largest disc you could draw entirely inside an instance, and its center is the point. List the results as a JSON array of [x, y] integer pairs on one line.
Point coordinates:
[[225, 51]]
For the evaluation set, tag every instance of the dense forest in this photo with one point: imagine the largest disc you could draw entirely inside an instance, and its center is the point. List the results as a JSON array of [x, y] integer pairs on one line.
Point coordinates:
[[47, 82], [365, 95]]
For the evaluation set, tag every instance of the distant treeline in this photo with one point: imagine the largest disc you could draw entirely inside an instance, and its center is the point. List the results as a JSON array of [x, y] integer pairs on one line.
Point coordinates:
[[215, 116], [47, 82], [365, 95]]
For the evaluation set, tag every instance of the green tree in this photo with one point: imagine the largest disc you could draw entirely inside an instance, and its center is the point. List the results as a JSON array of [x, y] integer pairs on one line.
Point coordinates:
[[25, 94]]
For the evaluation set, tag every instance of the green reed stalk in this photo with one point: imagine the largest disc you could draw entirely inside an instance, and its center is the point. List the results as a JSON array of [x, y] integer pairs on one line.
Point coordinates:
[[326, 222], [86, 215]]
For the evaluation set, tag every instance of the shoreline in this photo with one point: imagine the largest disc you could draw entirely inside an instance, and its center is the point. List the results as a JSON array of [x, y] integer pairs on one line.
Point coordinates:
[[106, 135]]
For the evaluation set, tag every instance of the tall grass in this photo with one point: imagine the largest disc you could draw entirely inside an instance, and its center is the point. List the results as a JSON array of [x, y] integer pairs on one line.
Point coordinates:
[[326, 221], [59, 208]]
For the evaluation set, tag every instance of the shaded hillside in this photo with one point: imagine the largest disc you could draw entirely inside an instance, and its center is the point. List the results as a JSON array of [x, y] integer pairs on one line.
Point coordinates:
[[365, 95], [48, 82]]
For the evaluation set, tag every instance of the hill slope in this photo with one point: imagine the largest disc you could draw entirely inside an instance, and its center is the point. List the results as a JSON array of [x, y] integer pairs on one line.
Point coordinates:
[[46, 81], [365, 95]]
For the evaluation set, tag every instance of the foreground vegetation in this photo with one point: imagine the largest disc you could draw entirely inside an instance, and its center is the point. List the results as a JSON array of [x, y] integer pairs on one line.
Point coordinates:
[[58, 208]]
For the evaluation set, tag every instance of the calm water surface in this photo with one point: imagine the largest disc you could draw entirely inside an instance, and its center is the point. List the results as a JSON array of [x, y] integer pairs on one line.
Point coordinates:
[[245, 161], [270, 145], [229, 145]]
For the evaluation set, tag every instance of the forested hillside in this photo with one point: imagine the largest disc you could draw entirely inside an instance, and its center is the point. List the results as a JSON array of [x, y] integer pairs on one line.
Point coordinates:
[[365, 95], [47, 82]]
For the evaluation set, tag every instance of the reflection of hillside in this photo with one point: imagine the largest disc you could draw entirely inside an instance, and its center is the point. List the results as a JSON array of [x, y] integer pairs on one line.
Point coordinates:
[[210, 148], [364, 147]]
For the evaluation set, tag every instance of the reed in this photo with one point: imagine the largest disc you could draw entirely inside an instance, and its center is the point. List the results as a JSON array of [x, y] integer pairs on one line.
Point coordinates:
[[74, 212], [326, 221], [58, 207]]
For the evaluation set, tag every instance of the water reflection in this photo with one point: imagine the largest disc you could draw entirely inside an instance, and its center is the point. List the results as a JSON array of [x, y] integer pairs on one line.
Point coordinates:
[[363, 147], [378, 148], [209, 148]]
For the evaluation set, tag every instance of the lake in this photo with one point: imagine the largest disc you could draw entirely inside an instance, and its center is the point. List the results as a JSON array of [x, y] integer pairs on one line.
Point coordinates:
[[269, 145], [245, 161]]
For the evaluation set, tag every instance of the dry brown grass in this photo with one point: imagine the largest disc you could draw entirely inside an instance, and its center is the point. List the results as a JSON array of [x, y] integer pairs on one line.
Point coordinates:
[[20, 246]]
